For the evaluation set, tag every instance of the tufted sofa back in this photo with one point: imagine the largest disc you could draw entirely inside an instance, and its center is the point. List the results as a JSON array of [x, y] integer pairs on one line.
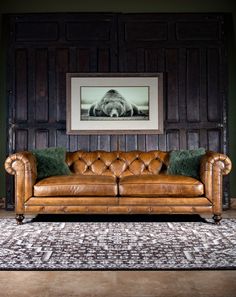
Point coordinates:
[[117, 163]]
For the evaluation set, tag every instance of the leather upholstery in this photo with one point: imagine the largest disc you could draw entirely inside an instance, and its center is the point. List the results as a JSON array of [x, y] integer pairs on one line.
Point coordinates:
[[76, 185], [118, 182], [160, 186], [23, 166], [117, 163], [213, 167]]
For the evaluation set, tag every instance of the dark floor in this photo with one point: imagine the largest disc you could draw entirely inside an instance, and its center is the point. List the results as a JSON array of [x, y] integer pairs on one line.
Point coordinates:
[[119, 283]]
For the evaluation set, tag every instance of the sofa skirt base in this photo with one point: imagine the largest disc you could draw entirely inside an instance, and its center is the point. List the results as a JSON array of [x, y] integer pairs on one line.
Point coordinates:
[[128, 209], [115, 205]]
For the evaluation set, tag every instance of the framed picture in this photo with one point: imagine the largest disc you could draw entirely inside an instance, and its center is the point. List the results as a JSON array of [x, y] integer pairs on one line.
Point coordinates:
[[114, 103]]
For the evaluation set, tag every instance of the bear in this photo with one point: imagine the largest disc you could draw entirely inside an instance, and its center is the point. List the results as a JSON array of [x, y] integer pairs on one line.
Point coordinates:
[[113, 104]]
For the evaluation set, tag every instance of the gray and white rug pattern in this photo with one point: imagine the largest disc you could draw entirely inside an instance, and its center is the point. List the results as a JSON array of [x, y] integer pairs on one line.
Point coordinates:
[[117, 245]]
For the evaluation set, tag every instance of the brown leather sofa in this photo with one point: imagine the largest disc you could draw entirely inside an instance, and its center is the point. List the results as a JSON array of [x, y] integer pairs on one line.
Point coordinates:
[[118, 183]]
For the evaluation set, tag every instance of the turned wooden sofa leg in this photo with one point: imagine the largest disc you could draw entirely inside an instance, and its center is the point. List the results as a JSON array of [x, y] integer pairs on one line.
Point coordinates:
[[19, 219], [217, 219]]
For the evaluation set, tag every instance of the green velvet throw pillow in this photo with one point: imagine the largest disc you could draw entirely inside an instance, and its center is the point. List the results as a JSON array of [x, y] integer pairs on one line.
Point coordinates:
[[185, 162], [51, 161]]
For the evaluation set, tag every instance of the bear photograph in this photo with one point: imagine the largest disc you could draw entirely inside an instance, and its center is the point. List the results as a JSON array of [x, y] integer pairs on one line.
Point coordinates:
[[114, 103]]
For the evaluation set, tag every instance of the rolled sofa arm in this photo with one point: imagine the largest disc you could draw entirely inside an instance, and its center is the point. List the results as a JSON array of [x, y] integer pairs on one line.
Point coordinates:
[[23, 165], [212, 159], [212, 168]]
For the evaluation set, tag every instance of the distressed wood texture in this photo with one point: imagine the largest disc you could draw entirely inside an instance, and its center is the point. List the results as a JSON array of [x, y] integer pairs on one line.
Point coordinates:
[[190, 49]]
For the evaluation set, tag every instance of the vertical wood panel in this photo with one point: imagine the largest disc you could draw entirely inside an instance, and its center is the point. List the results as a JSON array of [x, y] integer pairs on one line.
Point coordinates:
[[21, 85], [114, 142], [203, 138], [118, 142], [183, 139], [173, 140], [141, 142], [213, 85], [62, 139], [83, 142], [73, 59], [31, 86], [62, 66], [93, 142], [41, 85], [131, 142], [214, 143], [73, 140], [151, 60], [193, 140], [151, 142], [182, 84], [203, 87], [83, 60], [93, 59], [172, 85], [140, 60], [161, 68], [21, 140], [104, 142], [41, 139], [193, 85], [122, 142], [162, 142], [130, 61], [52, 89], [103, 60], [31, 138]]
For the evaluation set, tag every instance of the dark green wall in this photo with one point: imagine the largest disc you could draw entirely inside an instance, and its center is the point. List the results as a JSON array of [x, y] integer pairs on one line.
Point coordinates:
[[27, 6]]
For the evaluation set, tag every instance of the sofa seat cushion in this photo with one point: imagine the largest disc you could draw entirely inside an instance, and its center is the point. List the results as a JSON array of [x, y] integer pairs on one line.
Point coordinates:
[[76, 185], [160, 186]]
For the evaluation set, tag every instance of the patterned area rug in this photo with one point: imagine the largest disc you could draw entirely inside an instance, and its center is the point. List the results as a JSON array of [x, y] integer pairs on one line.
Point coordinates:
[[98, 245]]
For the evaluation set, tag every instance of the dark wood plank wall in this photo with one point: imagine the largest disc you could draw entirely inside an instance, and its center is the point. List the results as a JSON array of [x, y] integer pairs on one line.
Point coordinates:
[[190, 49]]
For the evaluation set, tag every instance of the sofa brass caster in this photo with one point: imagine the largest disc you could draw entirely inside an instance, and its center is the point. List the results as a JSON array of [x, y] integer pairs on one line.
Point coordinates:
[[19, 219], [217, 219]]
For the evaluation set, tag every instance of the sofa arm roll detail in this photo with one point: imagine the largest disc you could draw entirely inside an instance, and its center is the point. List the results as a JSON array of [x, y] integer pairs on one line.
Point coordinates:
[[23, 166], [212, 160], [212, 168], [22, 161]]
